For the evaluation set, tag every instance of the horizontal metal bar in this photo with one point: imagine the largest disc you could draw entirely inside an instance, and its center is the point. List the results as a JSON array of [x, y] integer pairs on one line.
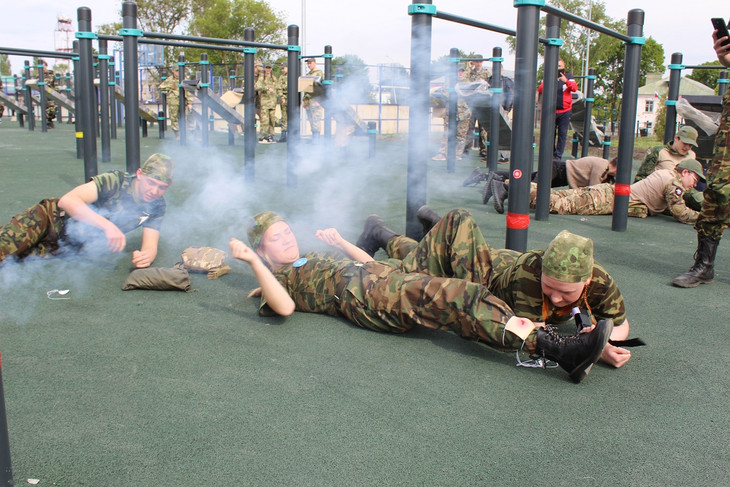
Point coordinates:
[[32, 52], [585, 23]]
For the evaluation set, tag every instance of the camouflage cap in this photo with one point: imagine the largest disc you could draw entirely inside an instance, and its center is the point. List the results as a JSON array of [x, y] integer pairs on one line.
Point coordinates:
[[688, 135], [159, 166], [692, 165], [258, 225], [568, 258]]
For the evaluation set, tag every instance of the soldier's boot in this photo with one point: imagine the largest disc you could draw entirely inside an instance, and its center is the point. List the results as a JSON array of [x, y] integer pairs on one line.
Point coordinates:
[[475, 177], [427, 217], [375, 235], [283, 136], [703, 270], [499, 193], [576, 354]]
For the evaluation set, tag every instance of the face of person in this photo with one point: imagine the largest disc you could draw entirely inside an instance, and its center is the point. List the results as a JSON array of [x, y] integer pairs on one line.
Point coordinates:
[[462, 74], [561, 293], [311, 64], [149, 189], [689, 179], [680, 146], [561, 64], [278, 245]]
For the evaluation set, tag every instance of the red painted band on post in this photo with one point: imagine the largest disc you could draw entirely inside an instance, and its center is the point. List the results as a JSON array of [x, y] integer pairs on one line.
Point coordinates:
[[622, 189], [516, 221]]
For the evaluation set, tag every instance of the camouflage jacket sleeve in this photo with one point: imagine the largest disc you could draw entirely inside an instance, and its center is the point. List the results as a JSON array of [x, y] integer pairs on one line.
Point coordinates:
[[604, 297], [674, 196]]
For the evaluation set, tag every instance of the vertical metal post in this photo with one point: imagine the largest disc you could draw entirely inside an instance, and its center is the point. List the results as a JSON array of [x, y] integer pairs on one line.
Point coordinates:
[[372, 134], [86, 103], [722, 83], [106, 153], [293, 103], [327, 85], [590, 79], [606, 146], [204, 86], [521, 160], [452, 77], [78, 117], [632, 61], [28, 97], [249, 108], [6, 469], [67, 89], [497, 90], [112, 100], [18, 115], [547, 118], [43, 96], [421, 12], [182, 106], [675, 77], [131, 85]]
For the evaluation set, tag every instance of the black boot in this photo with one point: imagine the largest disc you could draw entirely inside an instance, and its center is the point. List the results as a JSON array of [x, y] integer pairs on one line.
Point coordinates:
[[703, 270], [375, 235], [427, 217], [283, 136], [499, 193], [475, 177], [577, 353]]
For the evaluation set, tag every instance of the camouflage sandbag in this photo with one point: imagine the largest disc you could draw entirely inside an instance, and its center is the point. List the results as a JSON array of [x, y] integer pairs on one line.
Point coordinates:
[[159, 279], [205, 259]]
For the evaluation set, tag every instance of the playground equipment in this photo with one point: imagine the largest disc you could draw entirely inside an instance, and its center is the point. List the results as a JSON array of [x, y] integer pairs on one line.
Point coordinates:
[[528, 11]]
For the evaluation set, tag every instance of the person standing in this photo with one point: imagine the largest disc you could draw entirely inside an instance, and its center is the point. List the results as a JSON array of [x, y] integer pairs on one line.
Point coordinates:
[[315, 112], [714, 217], [267, 87], [563, 107], [283, 89], [669, 155]]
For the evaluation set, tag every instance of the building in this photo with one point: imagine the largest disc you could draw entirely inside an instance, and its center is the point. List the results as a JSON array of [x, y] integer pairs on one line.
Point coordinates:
[[656, 87]]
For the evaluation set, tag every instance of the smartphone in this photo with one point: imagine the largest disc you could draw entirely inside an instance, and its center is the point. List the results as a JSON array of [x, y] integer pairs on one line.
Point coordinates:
[[721, 27]]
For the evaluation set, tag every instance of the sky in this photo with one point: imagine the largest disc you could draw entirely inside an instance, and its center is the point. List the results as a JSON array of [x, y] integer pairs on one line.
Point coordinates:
[[378, 31]]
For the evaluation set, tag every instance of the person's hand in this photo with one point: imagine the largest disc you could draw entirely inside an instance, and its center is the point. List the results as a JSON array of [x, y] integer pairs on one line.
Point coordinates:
[[723, 52], [115, 239], [331, 237], [241, 251], [615, 356], [142, 259], [283, 99]]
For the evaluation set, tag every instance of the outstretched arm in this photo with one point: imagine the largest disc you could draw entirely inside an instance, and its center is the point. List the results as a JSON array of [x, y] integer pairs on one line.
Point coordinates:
[[614, 355], [76, 203], [148, 250], [276, 296], [332, 237]]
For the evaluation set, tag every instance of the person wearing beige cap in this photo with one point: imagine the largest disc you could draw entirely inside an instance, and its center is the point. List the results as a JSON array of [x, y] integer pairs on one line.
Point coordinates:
[[669, 155], [662, 191], [105, 208]]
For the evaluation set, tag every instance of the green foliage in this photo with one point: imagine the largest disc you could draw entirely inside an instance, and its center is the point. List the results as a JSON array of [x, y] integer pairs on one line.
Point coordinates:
[[4, 65], [707, 77], [355, 80]]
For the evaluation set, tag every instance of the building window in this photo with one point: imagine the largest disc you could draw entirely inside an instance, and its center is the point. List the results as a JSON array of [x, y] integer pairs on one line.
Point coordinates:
[[649, 106]]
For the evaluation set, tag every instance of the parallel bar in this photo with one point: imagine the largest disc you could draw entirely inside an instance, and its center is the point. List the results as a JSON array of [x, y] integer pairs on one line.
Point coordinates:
[[585, 23], [675, 76], [86, 104], [106, 153], [249, 110], [588, 112], [131, 88]]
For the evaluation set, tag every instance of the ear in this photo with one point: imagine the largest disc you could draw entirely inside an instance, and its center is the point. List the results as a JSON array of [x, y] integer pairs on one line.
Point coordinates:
[[139, 171]]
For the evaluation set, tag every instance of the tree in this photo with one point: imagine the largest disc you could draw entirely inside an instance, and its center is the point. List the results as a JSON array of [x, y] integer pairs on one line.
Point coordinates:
[[707, 77], [227, 19], [4, 65], [354, 83]]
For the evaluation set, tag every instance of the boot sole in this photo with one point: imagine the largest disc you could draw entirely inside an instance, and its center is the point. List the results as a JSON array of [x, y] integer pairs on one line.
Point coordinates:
[[579, 373], [676, 283]]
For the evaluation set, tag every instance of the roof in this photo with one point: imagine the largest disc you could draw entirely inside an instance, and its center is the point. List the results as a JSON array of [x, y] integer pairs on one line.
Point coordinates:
[[686, 87]]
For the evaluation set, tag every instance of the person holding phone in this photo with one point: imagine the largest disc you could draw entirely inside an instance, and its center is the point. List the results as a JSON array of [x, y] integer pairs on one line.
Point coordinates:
[[563, 107], [715, 215]]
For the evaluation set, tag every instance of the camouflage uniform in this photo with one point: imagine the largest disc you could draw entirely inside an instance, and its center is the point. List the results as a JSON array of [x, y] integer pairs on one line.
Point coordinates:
[[514, 277], [282, 91], [715, 215], [315, 112], [660, 192], [51, 108], [474, 75], [44, 228], [661, 157], [172, 90], [2, 107], [267, 87], [439, 286]]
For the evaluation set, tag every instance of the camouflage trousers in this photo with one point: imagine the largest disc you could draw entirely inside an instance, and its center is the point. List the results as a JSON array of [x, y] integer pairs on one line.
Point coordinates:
[[268, 120], [715, 215], [315, 114], [440, 283], [173, 111], [463, 116], [284, 116], [51, 110], [590, 200], [35, 231], [2, 110]]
